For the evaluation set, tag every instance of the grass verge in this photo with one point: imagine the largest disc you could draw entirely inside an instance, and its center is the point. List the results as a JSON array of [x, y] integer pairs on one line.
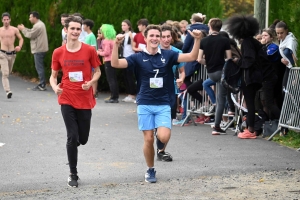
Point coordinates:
[[292, 139]]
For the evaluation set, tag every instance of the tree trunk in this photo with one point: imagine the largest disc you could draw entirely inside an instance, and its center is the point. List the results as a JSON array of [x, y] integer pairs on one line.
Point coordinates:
[[260, 12]]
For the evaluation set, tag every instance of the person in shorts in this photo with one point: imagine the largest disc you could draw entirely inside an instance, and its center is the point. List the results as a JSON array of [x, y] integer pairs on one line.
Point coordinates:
[[155, 80]]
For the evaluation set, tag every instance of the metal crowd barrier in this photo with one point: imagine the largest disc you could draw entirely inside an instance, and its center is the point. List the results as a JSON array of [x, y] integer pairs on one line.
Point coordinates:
[[290, 113], [194, 107]]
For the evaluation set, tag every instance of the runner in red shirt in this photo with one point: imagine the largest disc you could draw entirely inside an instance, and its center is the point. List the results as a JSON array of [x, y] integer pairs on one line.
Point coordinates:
[[75, 93]]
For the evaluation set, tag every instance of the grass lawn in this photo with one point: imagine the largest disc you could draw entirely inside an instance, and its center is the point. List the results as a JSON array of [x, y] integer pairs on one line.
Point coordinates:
[[292, 139]]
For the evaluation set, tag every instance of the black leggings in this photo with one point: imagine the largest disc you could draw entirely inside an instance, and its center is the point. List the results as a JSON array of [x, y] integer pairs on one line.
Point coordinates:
[[111, 76], [194, 88], [129, 81], [249, 93], [77, 122], [268, 88]]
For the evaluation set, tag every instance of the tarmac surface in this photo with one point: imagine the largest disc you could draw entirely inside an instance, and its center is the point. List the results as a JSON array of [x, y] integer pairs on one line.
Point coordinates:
[[33, 159]]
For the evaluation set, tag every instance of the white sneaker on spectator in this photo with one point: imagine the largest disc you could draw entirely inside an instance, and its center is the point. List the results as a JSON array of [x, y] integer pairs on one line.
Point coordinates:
[[125, 98], [174, 121], [129, 99]]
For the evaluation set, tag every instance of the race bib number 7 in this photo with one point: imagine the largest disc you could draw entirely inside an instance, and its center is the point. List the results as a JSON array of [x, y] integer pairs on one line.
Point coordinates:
[[156, 82]]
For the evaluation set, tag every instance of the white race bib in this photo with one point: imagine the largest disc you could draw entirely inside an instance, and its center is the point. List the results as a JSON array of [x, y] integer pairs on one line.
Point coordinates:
[[156, 82], [75, 76]]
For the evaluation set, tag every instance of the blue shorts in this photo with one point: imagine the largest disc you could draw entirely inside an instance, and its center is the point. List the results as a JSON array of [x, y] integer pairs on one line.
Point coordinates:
[[153, 116]]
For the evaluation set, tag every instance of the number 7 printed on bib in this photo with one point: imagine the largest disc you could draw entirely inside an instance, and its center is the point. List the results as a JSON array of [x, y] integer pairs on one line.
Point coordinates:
[[156, 82]]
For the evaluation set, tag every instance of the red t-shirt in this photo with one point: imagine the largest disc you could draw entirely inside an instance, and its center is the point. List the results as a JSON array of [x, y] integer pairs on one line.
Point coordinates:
[[139, 39], [77, 65]]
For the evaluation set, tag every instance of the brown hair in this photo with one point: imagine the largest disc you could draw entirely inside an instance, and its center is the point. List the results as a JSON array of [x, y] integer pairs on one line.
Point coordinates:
[[270, 31], [64, 15], [197, 18], [166, 27], [215, 24], [143, 22], [128, 23], [73, 19], [183, 22], [282, 24], [175, 34], [151, 27]]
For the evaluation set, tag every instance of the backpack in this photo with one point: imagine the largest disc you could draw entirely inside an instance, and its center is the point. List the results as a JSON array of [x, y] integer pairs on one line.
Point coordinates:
[[231, 76]]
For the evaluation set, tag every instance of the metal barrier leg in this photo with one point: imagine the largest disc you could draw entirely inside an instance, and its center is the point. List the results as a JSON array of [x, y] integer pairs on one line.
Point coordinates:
[[277, 131], [189, 116]]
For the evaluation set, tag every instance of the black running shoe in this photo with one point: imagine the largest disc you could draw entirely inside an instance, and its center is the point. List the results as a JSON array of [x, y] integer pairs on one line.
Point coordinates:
[[112, 101], [218, 131], [8, 94], [164, 156], [73, 180], [39, 87]]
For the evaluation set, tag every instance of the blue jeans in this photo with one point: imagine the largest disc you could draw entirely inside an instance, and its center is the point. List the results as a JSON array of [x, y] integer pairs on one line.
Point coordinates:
[[39, 66], [207, 87], [184, 105]]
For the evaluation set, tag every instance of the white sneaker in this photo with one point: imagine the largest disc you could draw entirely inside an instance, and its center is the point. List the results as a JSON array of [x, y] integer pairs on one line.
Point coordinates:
[[125, 98], [223, 124], [129, 99], [174, 121]]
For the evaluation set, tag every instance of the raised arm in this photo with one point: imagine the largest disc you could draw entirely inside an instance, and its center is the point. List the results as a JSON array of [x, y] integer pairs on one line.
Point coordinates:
[[192, 56], [115, 61], [31, 33]]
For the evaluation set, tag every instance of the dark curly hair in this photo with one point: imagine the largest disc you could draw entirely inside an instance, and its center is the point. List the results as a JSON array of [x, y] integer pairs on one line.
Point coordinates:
[[240, 26]]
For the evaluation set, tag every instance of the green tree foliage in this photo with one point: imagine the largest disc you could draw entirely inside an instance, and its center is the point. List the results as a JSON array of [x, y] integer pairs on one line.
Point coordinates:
[[232, 7], [288, 11], [105, 11]]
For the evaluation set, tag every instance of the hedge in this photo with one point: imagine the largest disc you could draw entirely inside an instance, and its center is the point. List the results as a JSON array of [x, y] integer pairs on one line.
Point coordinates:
[[105, 11]]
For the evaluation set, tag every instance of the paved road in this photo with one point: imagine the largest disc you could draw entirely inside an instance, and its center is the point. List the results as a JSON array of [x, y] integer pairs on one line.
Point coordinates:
[[33, 161]]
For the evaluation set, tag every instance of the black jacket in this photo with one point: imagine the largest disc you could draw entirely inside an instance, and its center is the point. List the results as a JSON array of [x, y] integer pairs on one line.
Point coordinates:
[[254, 63]]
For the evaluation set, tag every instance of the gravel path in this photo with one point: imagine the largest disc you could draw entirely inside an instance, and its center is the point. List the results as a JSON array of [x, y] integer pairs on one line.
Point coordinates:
[[258, 185]]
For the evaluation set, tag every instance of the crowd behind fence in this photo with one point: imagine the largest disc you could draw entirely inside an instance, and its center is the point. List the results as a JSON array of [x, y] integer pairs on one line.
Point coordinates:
[[290, 113]]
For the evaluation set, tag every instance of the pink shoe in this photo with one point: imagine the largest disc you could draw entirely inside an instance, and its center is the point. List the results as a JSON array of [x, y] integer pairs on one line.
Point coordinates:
[[247, 135], [203, 120], [200, 119]]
